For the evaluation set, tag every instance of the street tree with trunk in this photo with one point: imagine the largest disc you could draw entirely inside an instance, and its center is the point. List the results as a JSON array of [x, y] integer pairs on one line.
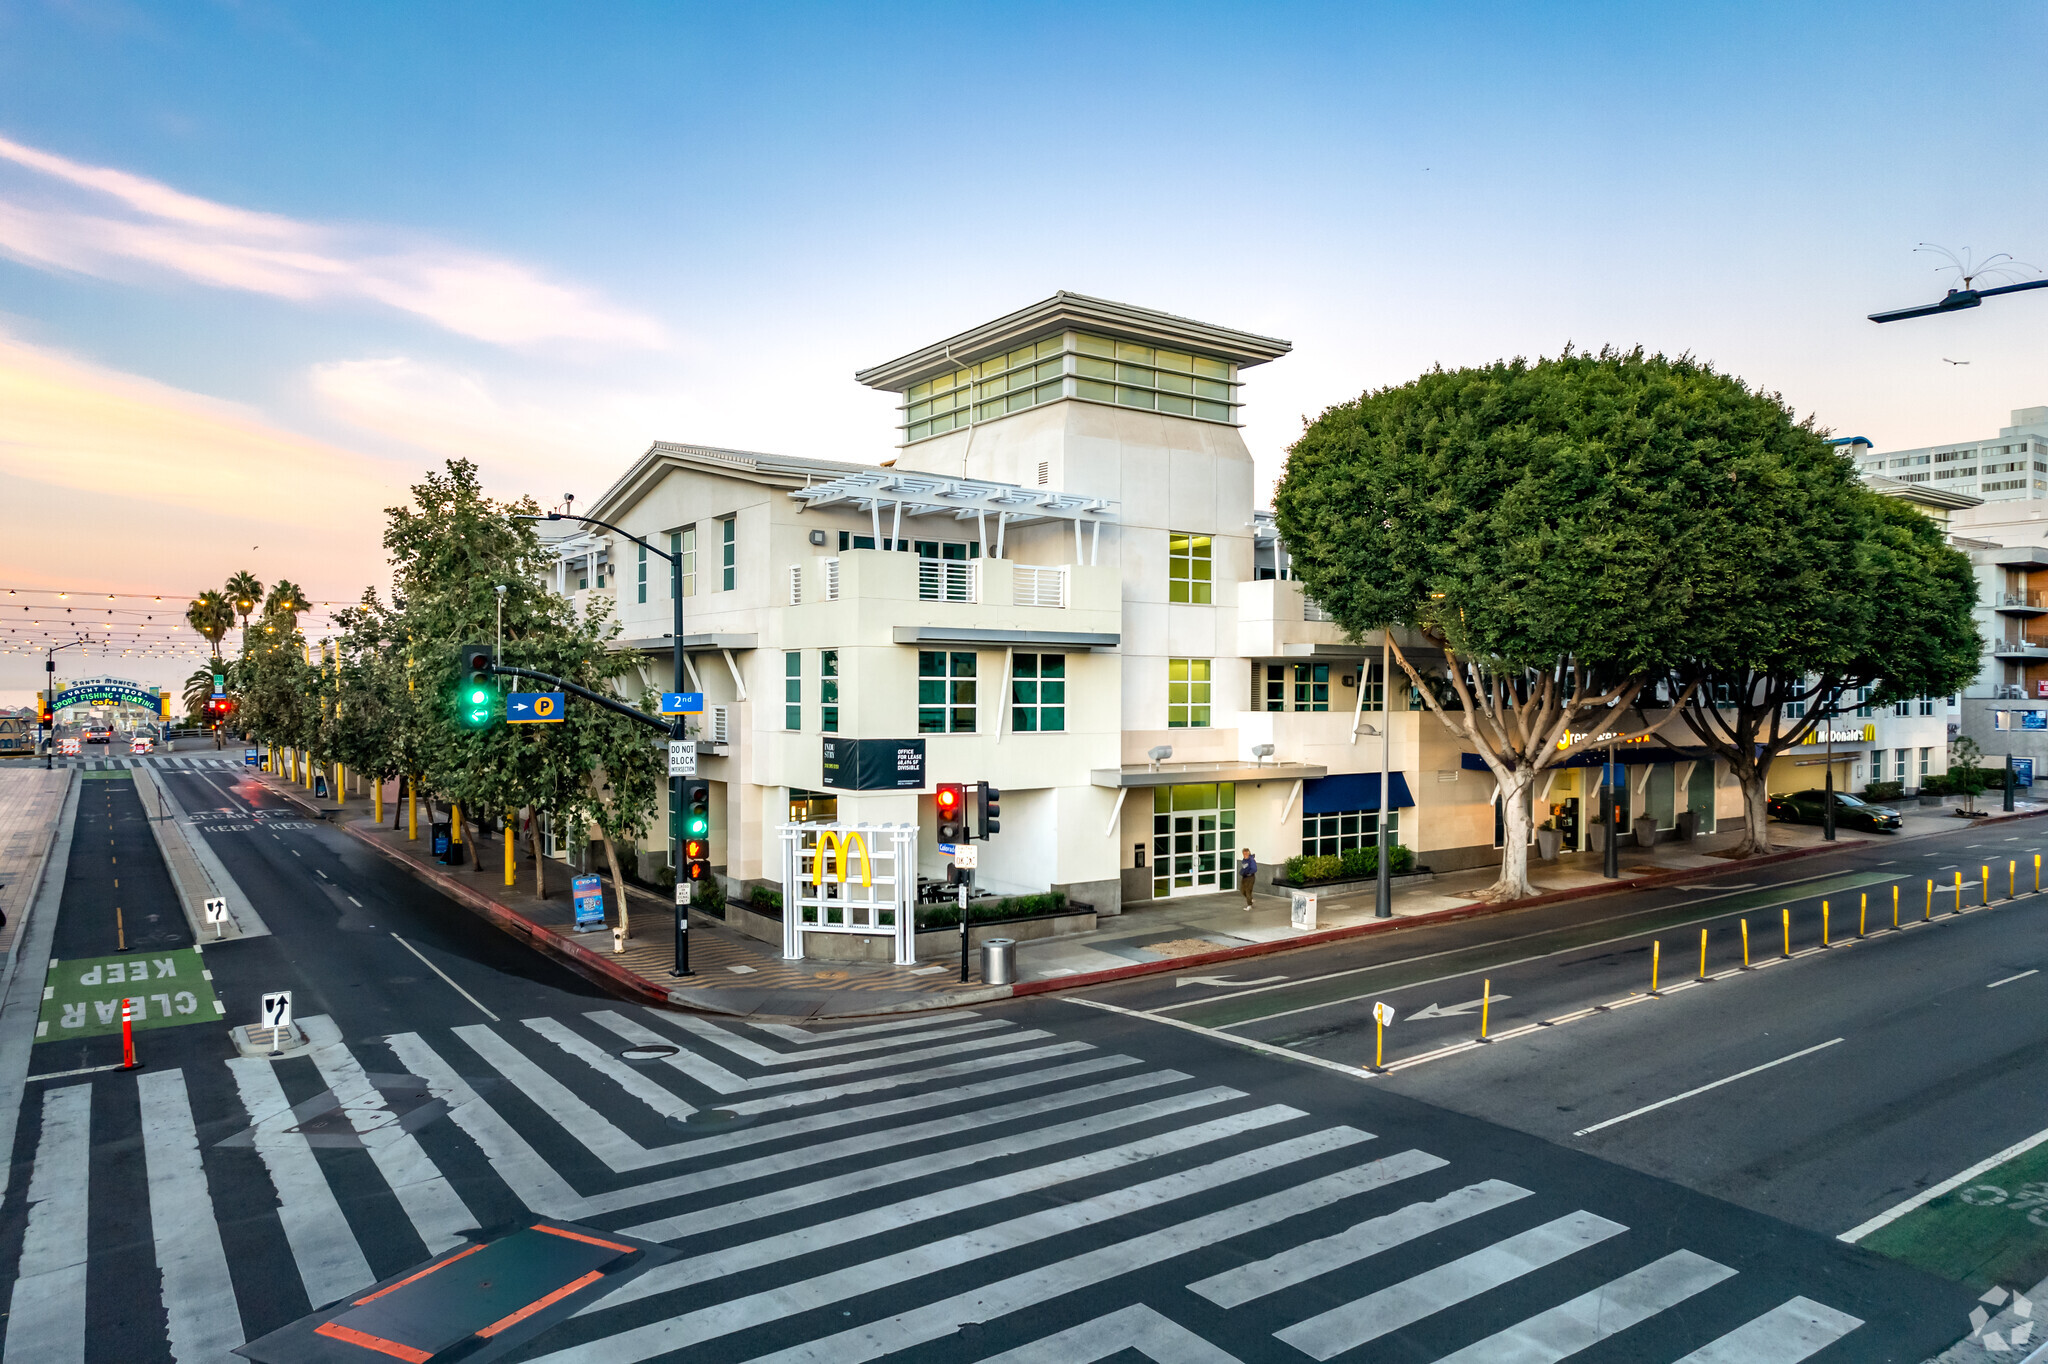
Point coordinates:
[[1828, 596], [1543, 527]]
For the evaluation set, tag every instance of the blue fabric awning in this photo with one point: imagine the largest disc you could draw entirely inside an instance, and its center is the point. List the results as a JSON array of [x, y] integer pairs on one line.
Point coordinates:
[[1352, 791]]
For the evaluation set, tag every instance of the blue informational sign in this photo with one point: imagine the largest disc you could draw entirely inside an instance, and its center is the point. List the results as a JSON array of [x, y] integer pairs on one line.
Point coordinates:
[[249, 757], [535, 708], [588, 892], [2022, 771], [2034, 719], [682, 703]]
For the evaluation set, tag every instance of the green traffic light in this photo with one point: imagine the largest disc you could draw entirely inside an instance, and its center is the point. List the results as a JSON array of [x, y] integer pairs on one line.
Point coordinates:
[[698, 825], [478, 697]]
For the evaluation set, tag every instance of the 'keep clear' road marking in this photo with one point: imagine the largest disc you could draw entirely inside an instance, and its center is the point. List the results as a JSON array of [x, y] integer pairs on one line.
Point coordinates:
[[2010, 979], [1739, 1075]]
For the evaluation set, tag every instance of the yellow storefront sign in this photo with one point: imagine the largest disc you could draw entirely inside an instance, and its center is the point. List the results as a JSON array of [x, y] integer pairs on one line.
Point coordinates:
[[831, 843]]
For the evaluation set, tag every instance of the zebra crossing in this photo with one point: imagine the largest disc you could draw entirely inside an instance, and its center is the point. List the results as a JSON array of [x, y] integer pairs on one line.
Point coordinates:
[[960, 1187], [163, 761]]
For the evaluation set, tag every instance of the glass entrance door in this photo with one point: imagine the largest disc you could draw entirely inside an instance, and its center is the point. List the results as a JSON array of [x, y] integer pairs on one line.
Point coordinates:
[[1194, 839]]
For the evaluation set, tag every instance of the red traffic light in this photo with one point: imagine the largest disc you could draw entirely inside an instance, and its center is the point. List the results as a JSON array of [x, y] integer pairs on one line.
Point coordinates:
[[951, 805], [949, 798]]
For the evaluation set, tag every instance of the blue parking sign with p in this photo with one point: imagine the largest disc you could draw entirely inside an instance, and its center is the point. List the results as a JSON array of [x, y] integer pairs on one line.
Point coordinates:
[[682, 703], [535, 708]]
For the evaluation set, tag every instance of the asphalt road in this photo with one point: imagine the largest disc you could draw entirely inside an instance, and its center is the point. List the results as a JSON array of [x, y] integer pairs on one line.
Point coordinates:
[[1039, 1180]]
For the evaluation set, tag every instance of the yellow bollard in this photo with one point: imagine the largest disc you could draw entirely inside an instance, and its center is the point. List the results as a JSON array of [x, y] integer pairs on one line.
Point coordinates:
[[1823, 923], [1379, 1043], [412, 811], [340, 784], [377, 801], [1984, 885], [1745, 944], [1862, 913], [2012, 880], [1703, 954], [454, 823], [1929, 913], [511, 842], [2037, 873], [1485, 1007], [1656, 952], [1788, 932], [1959, 894], [1895, 905]]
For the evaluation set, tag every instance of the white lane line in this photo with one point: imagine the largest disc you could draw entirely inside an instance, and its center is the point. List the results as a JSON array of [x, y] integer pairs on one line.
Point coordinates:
[[204, 1319], [46, 1314], [1249, 1043], [1716, 1084], [354, 901], [330, 1262], [438, 1213], [1375, 1235], [444, 975], [69, 1074], [2010, 979], [1592, 1317], [1786, 1334], [1928, 1195], [1402, 1304]]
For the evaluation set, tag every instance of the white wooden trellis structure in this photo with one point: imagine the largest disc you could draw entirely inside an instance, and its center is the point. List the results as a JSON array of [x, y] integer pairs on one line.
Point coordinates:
[[864, 883]]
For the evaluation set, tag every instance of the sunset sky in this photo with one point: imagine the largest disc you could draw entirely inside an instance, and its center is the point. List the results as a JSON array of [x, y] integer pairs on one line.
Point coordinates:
[[262, 264]]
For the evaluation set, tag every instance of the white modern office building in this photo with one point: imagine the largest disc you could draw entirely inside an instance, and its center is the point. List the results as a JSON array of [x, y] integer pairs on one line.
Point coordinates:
[[2009, 467], [1060, 580]]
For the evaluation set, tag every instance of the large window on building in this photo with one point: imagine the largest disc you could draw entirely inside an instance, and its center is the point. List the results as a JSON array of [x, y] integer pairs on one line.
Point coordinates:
[[1038, 694], [1187, 568], [1073, 365], [1276, 686], [1311, 686], [1187, 693], [642, 570], [828, 691], [728, 546], [1329, 835], [793, 689], [1863, 703], [684, 544], [945, 692]]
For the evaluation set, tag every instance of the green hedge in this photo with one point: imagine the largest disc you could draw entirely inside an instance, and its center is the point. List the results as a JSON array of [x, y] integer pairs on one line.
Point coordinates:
[[1008, 907], [1881, 791], [1352, 863]]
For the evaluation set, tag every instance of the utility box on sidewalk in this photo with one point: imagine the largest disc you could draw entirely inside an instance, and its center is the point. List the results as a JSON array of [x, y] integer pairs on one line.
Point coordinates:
[[442, 845]]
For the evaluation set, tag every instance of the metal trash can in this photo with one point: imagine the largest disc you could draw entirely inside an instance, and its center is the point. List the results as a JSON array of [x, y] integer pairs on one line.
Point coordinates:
[[998, 961]]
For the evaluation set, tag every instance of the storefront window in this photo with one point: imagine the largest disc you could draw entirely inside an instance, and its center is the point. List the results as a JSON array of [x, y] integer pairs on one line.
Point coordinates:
[[1332, 834]]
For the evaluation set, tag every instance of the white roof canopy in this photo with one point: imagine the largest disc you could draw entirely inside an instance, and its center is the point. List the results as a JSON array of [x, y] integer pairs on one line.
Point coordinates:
[[904, 492]]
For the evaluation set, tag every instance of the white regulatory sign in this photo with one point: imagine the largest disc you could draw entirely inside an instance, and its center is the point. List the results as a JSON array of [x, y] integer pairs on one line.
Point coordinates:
[[966, 856], [682, 757], [217, 910], [682, 892], [1384, 1014], [277, 1009]]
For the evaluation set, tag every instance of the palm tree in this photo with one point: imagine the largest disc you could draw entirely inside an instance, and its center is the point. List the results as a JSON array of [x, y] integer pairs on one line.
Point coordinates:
[[212, 615], [285, 599], [198, 691], [246, 593]]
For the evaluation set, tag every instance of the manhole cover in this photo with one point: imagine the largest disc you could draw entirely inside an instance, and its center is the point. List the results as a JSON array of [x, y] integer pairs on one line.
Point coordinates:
[[716, 1119], [648, 1053]]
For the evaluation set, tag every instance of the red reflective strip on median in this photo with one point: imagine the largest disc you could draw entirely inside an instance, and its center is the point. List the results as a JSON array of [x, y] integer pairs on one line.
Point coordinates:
[[443, 1264], [370, 1342], [539, 1304], [579, 1236]]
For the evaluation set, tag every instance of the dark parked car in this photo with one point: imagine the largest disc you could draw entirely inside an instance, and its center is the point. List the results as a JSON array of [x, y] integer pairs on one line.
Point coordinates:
[[1805, 807]]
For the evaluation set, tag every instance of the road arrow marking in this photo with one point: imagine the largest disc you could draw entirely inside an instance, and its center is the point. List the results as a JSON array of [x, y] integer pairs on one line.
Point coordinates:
[[1225, 981], [1452, 1010]]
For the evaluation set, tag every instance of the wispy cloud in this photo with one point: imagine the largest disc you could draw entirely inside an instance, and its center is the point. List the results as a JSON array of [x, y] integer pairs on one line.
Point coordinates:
[[60, 214], [458, 412]]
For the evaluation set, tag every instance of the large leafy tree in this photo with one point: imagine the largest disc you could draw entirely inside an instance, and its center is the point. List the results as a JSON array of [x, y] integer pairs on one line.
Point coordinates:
[[1826, 589], [1546, 527]]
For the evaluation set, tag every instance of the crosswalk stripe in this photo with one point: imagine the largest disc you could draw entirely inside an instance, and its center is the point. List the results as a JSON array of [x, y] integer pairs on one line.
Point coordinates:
[[1786, 1334], [532, 1180], [933, 1257], [330, 1262], [204, 1321], [866, 1143], [1008, 1038], [611, 1067], [46, 1314], [839, 1231], [1592, 1317], [1298, 1264], [789, 1032], [437, 1211], [1402, 1304], [979, 1065], [1137, 1327], [598, 1134], [940, 1028], [704, 1071], [1020, 1291]]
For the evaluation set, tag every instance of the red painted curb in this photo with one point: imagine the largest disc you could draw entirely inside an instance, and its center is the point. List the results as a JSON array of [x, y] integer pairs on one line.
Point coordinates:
[[541, 938], [1260, 949]]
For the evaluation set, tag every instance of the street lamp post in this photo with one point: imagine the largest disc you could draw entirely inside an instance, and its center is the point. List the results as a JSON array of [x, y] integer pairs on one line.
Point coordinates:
[[1383, 883], [676, 728], [1827, 816], [50, 699]]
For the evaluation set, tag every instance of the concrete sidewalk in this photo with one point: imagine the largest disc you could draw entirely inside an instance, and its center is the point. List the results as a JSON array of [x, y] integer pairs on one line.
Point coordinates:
[[736, 974]]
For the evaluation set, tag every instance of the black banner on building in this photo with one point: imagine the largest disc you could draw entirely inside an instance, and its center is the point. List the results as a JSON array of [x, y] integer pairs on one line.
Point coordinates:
[[874, 764]]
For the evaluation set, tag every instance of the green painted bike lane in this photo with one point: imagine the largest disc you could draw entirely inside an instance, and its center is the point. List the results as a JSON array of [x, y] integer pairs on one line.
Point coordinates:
[[82, 998], [1991, 1232], [1394, 975]]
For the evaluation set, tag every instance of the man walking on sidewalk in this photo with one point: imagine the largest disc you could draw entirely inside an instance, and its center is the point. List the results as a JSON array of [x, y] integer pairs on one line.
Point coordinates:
[[1247, 872]]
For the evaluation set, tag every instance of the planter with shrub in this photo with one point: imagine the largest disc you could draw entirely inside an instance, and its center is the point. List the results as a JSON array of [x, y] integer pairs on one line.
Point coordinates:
[[1350, 865]]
